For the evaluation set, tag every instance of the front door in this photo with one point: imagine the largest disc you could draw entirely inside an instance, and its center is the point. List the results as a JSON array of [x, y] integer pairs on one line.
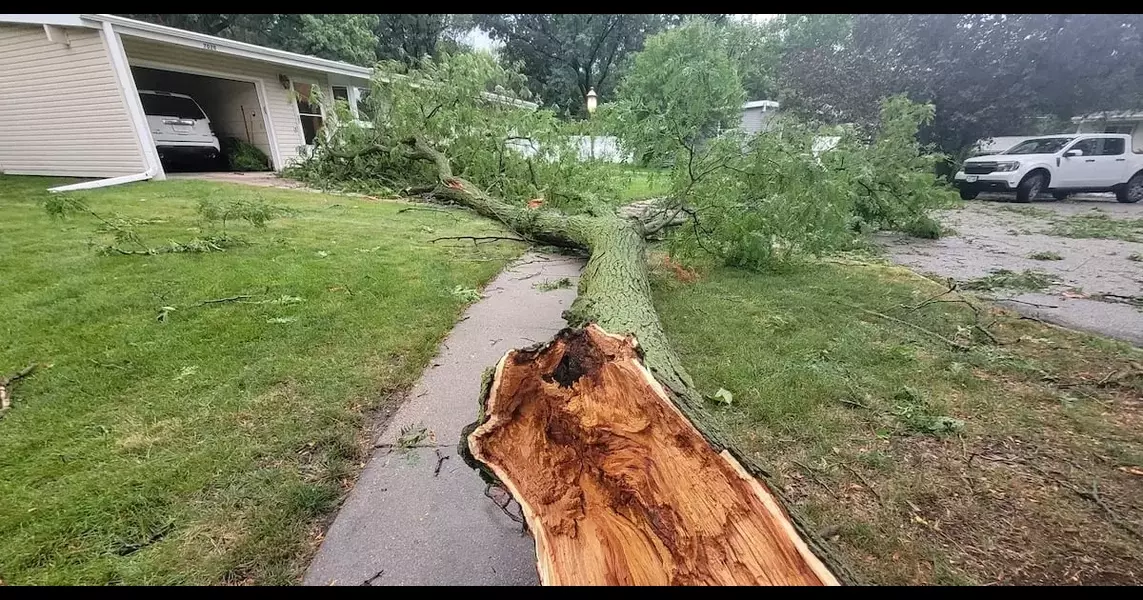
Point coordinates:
[[1076, 171], [1110, 166]]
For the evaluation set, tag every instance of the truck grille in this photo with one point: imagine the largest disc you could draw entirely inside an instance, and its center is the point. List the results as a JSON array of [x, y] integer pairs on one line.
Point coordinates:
[[979, 168]]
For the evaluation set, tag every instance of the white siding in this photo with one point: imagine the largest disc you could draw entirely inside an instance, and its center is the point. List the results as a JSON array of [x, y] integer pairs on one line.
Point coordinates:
[[62, 111], [755, 120], [283, 112]]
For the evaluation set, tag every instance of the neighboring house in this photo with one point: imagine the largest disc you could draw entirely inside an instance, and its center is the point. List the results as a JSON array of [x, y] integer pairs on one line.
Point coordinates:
[[1128, 122], [756, 116], [69, 93]]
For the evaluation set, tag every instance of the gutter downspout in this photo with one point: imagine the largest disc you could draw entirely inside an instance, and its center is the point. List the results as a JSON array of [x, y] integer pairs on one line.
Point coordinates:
[[138, 120]]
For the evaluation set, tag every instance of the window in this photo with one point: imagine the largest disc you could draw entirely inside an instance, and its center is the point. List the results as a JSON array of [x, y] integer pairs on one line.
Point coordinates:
[[163, 105], [1100, 146], [340, 92], [364, 110], [308, 110], [1039, 146], [1112, 147]]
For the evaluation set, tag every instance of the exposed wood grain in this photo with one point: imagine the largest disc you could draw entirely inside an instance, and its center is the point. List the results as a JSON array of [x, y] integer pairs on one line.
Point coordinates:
[[615, 483]]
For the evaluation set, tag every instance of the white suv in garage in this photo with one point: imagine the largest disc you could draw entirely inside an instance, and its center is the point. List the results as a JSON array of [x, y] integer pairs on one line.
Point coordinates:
[[179, 126], [1060, 165]]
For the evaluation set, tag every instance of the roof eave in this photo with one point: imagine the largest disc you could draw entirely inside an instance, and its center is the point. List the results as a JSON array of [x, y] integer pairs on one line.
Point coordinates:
[[212, 43]]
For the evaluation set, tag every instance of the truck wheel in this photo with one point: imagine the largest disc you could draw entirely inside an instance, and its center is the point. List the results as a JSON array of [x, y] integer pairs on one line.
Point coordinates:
[[968, 194], [1030, 187], [1061, 196], [1132, 191]]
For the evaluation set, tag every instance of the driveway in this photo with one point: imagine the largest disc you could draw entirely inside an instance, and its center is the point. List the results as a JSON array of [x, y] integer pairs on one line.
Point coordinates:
[[1098, 281]]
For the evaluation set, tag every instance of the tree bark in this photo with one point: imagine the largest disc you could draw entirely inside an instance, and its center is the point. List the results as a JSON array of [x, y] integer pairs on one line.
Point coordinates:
[[602, 438]]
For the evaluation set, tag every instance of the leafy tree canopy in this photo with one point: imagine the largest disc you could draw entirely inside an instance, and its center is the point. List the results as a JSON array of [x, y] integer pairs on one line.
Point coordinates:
[[565, 55], [987, 74], [682, 88]]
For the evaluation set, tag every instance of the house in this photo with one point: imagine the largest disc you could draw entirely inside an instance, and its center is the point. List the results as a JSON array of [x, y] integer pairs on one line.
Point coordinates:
[[69, 93], [756, 116], [1129, 122]]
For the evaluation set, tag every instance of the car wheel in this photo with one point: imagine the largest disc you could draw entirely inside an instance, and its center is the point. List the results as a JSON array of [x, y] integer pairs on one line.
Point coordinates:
[[968, 194], [1030, 187], [1132, 191], [1061, 196]]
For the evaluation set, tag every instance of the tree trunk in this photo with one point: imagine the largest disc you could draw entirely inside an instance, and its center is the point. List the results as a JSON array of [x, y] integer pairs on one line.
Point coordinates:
[[606, 445]]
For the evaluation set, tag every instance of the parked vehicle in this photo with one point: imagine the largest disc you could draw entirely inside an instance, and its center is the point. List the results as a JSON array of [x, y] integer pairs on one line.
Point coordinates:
[[1059, 165], [179, 126]]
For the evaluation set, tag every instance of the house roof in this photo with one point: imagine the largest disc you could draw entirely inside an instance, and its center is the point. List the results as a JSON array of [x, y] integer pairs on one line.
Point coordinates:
[[182, 37], [201, 41], [224, 46], [1111, 115], [760, 104]]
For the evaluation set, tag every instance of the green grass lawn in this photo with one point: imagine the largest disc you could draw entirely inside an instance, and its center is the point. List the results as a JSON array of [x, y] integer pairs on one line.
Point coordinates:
[[211, 446], [920, 462], [641, 183]]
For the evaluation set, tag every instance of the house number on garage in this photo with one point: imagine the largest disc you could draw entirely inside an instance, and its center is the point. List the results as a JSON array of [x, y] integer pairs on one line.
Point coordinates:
[[209, 46]]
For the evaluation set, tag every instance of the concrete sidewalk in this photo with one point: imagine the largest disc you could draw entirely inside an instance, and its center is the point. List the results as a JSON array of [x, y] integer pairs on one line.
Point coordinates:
[[408, 523]]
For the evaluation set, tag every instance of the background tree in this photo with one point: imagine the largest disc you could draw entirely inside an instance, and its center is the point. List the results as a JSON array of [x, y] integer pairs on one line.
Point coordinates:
[[682, 88], [407, 37], [565, 55], [987, 74]]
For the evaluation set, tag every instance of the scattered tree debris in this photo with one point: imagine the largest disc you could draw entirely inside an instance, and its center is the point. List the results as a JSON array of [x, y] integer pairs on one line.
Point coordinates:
[[6, 387], [556, 284]]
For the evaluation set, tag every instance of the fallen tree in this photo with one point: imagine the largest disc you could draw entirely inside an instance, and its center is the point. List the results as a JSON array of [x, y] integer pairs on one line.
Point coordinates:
[[600, 434], [605, 443]]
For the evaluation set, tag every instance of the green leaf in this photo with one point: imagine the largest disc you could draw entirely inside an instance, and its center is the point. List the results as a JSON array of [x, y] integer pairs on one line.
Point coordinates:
[[723, 396]]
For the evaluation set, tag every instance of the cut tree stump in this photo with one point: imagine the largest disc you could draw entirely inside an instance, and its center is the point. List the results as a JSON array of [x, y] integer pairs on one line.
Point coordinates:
[[617, 486]]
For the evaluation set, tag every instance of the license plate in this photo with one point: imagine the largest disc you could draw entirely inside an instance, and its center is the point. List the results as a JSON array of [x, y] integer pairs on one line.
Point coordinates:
[[182, 128], [970, 178]]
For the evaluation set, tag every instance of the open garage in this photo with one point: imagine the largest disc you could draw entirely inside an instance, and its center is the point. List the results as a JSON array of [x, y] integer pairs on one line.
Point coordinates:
[[231, 105]]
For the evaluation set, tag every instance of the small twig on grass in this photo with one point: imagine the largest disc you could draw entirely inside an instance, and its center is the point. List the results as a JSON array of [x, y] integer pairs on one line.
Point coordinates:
[[853, 403], [865, 482], [6, 386], [953, 343], [224, 300], [476, 239], [428, 208], [812, 472]]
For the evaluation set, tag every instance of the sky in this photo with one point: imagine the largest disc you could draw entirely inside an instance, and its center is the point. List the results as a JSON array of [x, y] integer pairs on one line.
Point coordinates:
[[479, 40]]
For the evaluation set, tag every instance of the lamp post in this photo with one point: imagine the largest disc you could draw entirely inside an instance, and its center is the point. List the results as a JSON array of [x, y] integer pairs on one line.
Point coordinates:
[[592, 101]]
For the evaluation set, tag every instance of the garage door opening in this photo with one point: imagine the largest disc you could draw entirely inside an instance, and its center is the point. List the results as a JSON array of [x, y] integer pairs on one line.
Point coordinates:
[[172, 101]]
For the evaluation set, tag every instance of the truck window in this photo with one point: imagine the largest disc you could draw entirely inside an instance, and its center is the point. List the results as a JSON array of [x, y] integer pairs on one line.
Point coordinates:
[[170, 106], [1112, 147], [1039, 146]]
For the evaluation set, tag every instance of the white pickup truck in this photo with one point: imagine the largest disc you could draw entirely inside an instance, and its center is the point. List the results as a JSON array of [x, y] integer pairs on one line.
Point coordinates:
[[1059, 165]]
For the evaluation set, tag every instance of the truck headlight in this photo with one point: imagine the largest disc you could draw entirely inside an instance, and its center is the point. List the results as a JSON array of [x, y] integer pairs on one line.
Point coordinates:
[[1007, 166]]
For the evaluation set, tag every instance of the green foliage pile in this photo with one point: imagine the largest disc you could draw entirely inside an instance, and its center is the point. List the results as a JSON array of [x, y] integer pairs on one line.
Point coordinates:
[[468, 106], [789, 196], [244, 156]]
